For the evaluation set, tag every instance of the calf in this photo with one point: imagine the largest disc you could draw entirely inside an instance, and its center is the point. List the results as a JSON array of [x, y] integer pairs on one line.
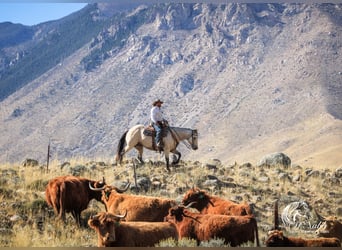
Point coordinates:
[[235, 230], [277, 239], [208, 204], [113, 233]]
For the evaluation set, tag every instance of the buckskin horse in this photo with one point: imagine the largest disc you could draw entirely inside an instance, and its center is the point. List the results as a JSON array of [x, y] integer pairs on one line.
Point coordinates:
[[135, 137]]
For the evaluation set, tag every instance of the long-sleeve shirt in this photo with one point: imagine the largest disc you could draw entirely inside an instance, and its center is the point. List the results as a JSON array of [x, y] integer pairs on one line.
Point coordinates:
[[156, 114]]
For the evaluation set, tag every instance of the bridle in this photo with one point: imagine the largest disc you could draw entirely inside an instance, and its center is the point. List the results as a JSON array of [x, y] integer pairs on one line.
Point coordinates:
[[194, 135]]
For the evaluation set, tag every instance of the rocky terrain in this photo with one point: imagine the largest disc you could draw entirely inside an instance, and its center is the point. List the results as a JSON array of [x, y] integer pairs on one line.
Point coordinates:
[[27, 221], [252, 78]]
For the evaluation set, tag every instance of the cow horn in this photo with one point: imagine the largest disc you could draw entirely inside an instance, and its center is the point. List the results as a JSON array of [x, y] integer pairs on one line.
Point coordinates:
[[96, 189], [211, 203], [191, 217], [121, 216], [190, 204], [122, 190]]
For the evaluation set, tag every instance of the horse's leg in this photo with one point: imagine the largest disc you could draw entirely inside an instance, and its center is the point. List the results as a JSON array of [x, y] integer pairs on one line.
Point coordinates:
[[140, 149], [127, 148], [176, 152], [167, 160]]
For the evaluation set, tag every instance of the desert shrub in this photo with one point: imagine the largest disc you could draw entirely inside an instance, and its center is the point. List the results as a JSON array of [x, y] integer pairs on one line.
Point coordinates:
[[38, 185], [6, 193], [184, 242], [31, 207], [216, 242], [78, 170]]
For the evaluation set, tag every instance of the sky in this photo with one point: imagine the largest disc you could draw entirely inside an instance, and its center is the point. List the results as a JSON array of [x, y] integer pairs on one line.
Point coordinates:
[[35, 13]]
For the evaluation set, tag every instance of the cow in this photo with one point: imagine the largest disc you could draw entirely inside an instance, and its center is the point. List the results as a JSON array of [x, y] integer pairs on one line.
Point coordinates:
[[112, 232], [276, 238], [71, 194], [331, 227], [235, 230], [140, 208], [207, 204]]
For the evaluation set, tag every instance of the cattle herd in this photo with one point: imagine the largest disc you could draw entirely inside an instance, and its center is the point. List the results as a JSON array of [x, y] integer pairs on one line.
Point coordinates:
[[143, 221]]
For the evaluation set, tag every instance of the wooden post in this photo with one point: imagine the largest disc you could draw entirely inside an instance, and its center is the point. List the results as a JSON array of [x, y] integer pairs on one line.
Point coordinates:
[[135, 176], [48, 158]]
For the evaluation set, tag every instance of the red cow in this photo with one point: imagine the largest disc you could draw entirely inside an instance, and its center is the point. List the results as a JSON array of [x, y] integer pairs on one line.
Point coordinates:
[[140, 208], [331, 227], [208, 204], [113, 233], [277, 239], [71, 194], [235, 230]]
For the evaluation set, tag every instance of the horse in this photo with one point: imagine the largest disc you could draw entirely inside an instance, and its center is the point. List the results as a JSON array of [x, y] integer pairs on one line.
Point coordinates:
[[135, 137]]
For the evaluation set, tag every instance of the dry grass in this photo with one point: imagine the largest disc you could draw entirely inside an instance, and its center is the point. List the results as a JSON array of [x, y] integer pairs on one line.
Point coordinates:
[[26, 221]]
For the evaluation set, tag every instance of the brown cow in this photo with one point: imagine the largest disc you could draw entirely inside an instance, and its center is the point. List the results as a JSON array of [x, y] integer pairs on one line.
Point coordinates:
[[331, 227], [235, 230], [208, 204], [277, 239], [71, 194], [140, 208], [113, 233]]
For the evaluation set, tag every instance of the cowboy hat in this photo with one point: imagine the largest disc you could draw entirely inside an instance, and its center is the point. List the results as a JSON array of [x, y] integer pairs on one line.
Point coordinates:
[[158, 101]]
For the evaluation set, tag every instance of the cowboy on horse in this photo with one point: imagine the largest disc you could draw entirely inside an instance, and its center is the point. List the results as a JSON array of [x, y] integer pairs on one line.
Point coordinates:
[[167, 138], [158, 123]]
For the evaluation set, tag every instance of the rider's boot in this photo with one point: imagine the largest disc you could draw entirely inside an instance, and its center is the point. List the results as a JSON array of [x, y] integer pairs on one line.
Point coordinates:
[[160, 146]]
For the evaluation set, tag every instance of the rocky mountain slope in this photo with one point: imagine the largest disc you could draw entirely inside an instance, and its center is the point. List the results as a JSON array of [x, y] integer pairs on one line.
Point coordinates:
[[252, 78]]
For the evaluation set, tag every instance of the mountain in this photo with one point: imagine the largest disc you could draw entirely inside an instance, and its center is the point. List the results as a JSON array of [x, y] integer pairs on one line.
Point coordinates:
[[252, 78]]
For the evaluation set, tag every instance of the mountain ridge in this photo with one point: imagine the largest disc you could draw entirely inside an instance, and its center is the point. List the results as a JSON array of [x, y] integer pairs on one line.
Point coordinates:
[[240, 73]]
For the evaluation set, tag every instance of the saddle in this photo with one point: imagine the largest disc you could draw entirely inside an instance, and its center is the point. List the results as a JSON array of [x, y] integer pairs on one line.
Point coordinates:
[[150, 131]]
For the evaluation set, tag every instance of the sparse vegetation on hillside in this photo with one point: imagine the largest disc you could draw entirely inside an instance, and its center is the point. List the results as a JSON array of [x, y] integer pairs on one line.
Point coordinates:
[[27, 221], [63, 40]]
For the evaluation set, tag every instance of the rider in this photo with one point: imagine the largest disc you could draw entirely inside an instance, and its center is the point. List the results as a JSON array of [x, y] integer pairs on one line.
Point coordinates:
[[157, 122]]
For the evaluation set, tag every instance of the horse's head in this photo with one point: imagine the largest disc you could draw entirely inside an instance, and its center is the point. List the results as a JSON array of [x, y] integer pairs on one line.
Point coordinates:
[[193, 140]]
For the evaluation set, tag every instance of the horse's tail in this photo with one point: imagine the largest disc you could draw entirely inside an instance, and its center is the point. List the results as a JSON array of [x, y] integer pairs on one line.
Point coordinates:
[[120, 148]]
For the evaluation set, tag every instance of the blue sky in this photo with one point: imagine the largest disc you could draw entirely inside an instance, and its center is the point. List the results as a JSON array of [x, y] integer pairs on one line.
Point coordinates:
[[34, 13]]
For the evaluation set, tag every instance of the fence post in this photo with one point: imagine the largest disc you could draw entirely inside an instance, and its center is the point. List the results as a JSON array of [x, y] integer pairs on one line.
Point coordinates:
[[48, 158]]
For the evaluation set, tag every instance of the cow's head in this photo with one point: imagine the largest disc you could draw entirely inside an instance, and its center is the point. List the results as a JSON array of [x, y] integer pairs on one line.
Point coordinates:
[[275, 239], [199, 198], [331, 227], [106, 190], [96, 186], [105, 224], [177, 213]]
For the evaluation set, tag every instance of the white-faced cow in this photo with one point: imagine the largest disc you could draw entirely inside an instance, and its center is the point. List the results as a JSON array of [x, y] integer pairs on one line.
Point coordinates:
[[112, 232]]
